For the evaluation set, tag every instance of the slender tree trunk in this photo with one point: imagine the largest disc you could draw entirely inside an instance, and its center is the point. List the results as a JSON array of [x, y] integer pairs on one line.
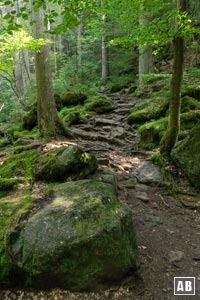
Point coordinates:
[[18, 74], [170, 137], [79, 45], [27, 67], [104, 53]]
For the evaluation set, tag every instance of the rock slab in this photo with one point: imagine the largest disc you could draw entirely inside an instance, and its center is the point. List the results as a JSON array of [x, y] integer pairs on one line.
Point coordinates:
[[82, 240]]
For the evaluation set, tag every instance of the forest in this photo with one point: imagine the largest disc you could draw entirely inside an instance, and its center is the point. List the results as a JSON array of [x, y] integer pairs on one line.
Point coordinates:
[[99, 149]]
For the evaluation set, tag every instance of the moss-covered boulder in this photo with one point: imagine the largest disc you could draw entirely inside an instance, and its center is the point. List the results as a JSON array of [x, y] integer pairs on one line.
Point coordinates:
[[82, 240], [189, 103], [71, 115], [149, 109], [186, 156], [72, 99], [11, 211], [191, 91], [99, 104], [152, 132], [65, 163]]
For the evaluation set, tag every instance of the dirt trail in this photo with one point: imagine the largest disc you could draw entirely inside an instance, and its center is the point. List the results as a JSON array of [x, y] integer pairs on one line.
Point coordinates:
[[168, 233]]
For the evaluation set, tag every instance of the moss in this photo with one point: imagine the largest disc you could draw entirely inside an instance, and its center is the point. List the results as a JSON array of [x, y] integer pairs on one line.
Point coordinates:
[[189, 119], [72, 99], [163, 164], [11, 213], [80, 113], [19, 165], [191, 91], [89, 237], [152, 132], [99, 104], [58, 101], [28, 134], [7, 184], [148, 109], [186, 156], [66, 163], [4, 142], [29, 120], [189, 103]]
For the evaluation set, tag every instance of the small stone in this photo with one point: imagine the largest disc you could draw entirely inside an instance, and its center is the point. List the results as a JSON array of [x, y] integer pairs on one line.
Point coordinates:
[[103, 161], [142, 196], [176, 256], [148, 173]]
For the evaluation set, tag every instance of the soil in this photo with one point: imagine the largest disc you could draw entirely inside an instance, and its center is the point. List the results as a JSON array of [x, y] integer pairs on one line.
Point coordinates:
[[167, 226]]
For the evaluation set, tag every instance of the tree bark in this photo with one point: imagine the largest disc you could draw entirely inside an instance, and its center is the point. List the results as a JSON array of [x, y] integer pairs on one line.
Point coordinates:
[[48, 122], [104, 53], [79, 45], [18, 75], [145, 62], [170, 137]]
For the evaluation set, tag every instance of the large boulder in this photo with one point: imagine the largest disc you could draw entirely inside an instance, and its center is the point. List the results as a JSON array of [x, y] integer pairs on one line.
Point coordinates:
[[65, 163], [186, 156], [82, 240]]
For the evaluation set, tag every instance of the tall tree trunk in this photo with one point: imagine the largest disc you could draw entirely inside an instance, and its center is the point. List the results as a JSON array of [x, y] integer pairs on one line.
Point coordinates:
[[170, 137], [104, 53], [79, 45], [145, 53], [18, 75], [27, 67], [48, 122], [145, 62]]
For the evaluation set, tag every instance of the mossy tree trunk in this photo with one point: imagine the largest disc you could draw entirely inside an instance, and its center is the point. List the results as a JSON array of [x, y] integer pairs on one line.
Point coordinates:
[[48, 122], [170, 137]]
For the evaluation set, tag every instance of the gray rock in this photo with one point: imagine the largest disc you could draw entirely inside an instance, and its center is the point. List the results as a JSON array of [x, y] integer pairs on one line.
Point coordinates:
[[176, 256], [142, 196], [148, 173], [117, 132], [84, 238]]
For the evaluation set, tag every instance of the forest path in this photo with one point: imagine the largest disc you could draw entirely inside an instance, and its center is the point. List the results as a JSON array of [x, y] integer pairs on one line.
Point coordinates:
[[167, 232]]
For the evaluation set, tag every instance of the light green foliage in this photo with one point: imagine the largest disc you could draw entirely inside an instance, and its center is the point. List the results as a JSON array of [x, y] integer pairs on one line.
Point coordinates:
[[156, 25], [12, 43]]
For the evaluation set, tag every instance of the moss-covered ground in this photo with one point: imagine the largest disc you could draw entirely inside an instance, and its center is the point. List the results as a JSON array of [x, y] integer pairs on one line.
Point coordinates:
[[11, 212]]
